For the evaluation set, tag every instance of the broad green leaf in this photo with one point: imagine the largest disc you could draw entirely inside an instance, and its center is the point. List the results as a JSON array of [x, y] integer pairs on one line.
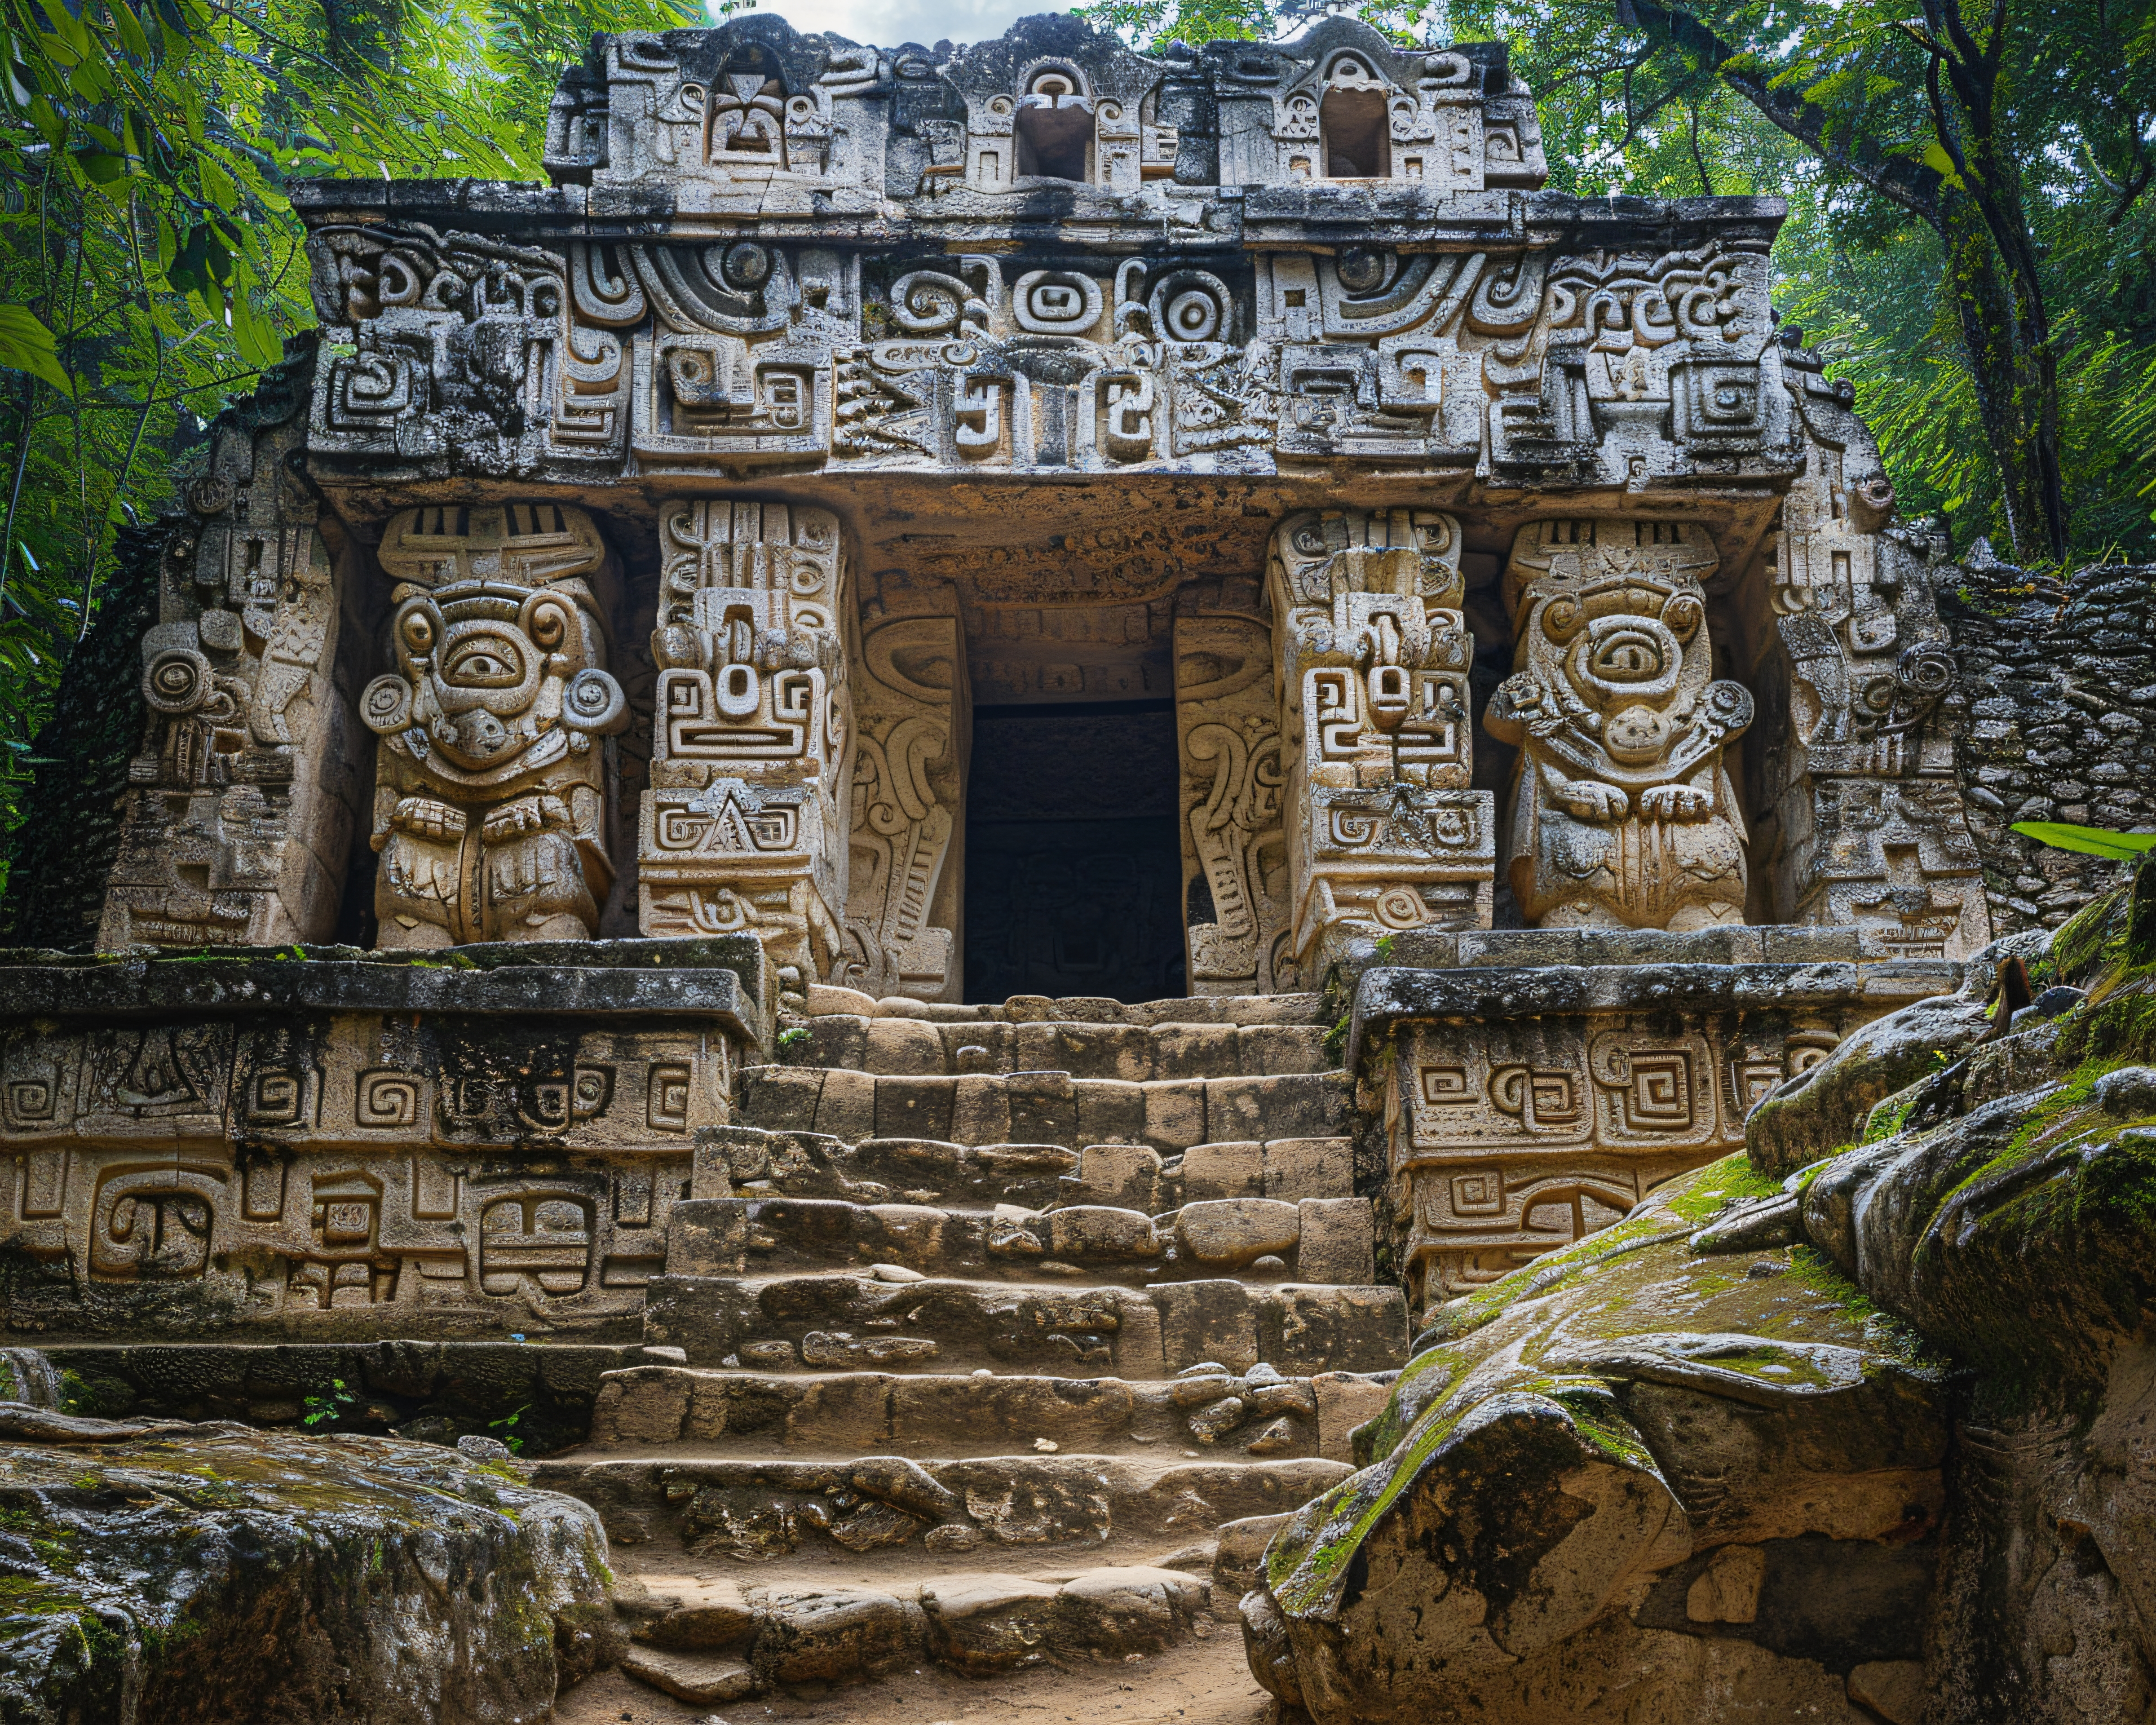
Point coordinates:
[[27, 346], [2087, 841]]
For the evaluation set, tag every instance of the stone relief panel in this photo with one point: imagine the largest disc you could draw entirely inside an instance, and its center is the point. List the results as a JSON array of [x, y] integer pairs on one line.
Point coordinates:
[[1862, 772], [1373, 650], [199, 1175], [492, 793], [1512, 1139], [454, 352], [233, 833], [1623, 812], [1235, 836], [745, 826], [913, 726]]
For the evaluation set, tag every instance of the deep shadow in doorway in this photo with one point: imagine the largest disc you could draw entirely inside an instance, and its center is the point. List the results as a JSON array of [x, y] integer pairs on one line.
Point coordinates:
[[1074, 868]]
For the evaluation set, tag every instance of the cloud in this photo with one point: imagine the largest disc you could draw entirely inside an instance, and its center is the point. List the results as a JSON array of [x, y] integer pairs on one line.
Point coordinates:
[[885, 23]]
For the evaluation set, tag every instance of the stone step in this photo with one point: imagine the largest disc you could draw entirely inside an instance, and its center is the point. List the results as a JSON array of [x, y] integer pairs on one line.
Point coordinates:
[[750, 1414], [824, 1000], [1329, 1241], [937, 1513], [898, 1047], [1044, 1107], [893, 1319], [756, 1163], [715, 1642]]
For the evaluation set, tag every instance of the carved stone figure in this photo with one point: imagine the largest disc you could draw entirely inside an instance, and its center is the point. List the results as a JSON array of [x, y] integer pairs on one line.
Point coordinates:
[[490, 803], [1623, 812]]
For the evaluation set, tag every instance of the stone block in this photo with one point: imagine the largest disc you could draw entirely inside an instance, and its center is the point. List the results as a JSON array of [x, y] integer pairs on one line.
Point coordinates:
[[1207, 1321], [846, 1109], [1193, 1051], [1344, 1403], [913, 1107], [1138, 1349], [901, 1048], [919, 1237], [706, 1316], [1175, 1114], [1044, 1109], [1218, 1171], [1360, 1328], [781, 1098], [1300, 1106], [1084, 1050], [825, 998], [984, 1623], [1310, 1167], [1127, 1176], [839, 1040], [699, 1679], [711, 1164], [839, 1635], [1110, 1108], [1097, 1231], [1338, 1243], [642, 1404], [980, 1110], [1264, 1051], [996, 1045], [1240, 1553], [1120, 1611], [1232, 1232], [706, 1236]]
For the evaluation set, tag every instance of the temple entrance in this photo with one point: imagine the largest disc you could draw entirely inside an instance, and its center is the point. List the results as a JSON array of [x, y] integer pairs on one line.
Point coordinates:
[[1074, 871]]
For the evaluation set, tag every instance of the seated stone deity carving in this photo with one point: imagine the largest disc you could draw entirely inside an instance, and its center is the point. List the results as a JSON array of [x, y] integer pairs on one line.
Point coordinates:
[[1623, 812], [490, 798]]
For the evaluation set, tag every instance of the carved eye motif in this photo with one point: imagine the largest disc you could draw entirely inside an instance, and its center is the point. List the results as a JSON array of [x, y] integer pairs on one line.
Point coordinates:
[[1362, 269], [1627, 655], [419, 632], [484, 661], [745, 267]]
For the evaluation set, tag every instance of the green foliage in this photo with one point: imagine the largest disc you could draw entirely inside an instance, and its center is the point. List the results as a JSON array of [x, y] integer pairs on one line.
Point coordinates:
[[505, 1429], [149, 262], [2087, 841], [327, 1409]]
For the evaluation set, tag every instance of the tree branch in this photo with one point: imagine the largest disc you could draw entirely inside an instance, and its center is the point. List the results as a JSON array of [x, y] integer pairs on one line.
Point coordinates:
[[1910, 185]]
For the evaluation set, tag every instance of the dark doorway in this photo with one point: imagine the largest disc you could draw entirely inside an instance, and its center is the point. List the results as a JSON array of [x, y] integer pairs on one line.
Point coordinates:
[[1074, 868]]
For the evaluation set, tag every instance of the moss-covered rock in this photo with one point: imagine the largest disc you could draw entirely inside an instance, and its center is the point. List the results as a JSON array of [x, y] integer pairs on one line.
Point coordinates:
[[191, 1575]]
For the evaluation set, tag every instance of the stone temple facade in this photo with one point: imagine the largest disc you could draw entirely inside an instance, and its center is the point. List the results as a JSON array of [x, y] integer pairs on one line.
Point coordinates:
[[891, 552]]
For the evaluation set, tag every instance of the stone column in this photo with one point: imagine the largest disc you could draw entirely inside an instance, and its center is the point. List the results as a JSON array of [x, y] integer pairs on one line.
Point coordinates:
[[914, 723], [1386, 835], [1623, 812], [491, 786], [744, 828]]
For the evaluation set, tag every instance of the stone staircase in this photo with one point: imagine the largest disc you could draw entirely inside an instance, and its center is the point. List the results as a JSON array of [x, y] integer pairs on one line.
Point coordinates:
[[992, 1336]]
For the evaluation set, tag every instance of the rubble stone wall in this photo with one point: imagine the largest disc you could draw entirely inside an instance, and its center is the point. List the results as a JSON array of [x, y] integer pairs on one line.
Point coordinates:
[[2058, 724]]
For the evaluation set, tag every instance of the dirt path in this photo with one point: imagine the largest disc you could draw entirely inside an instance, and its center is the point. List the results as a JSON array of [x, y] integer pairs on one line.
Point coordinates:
[[1201, 1682]]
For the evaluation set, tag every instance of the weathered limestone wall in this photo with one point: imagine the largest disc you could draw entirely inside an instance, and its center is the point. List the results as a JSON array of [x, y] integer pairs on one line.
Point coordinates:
[[2056, 721]]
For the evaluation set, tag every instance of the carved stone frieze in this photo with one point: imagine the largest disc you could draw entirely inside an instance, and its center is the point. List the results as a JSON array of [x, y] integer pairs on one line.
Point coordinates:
[[1372, 651], [745, 826], [492, 794], [1623, 811]]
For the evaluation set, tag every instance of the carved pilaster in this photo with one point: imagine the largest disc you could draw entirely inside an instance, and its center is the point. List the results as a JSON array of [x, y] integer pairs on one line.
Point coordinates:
[[228, 839], [491, 786], [1373, 656], [744, 828], [1227, 715], [913, 724]]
